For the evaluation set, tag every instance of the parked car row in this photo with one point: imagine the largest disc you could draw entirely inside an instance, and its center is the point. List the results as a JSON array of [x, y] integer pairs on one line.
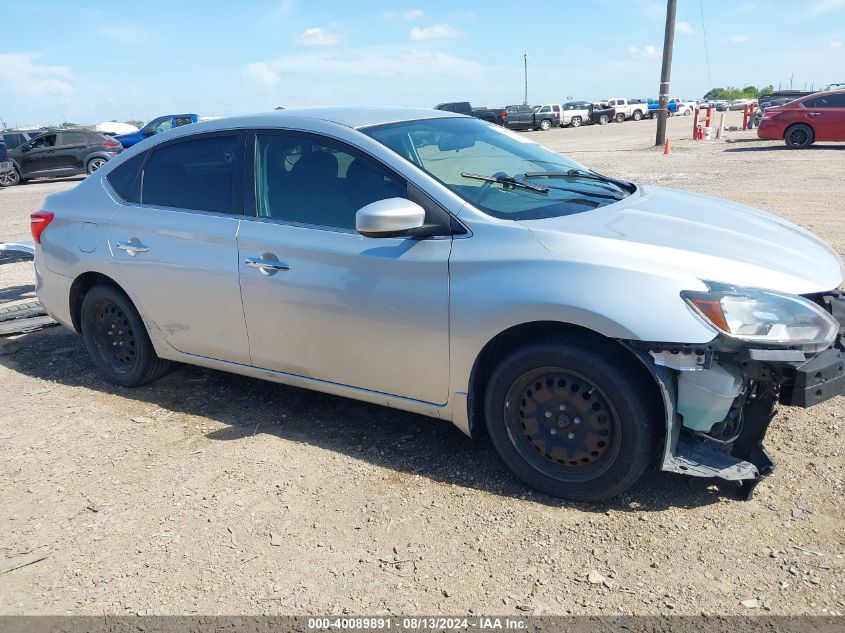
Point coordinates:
[[59, 153]]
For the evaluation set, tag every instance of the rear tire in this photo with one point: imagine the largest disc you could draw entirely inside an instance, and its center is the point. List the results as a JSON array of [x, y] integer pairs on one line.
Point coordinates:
[[94, 164], [117, 340], [637, 116], [545, 125], [799, 136], [620, 118], [576, 420], [575, 121], [604, 119], [10, 178]]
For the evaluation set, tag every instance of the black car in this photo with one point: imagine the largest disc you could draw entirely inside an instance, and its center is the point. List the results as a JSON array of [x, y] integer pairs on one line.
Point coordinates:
[[59, 153]]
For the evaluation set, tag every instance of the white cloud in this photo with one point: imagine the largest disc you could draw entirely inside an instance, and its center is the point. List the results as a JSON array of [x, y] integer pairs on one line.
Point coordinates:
[[645, 51], [436, 32], [738, 39], [371, 62], [684, 27], [262, 74], [21, 73], [835, 44], [409, 15], [823, 6], [319, 37]]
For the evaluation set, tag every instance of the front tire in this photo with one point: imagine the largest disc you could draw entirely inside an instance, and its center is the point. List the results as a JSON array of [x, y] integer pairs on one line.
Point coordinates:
[[573, 420], [799, 136], [10, 178], [117, 340]]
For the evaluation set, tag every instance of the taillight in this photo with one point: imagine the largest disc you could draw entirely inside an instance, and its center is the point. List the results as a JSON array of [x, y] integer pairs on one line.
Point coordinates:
[[38, 221], [771, 115], [503, 114], [111, 144]]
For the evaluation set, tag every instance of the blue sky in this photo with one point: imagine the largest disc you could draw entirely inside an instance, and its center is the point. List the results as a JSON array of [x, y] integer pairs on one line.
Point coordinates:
[[94, 61]]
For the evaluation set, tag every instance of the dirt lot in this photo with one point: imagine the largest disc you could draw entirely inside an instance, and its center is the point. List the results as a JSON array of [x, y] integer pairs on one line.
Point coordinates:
[[211, 493]]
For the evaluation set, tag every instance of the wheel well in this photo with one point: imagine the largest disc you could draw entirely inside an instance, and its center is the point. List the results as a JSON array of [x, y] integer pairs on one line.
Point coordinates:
[[511, 339], [78, 289]]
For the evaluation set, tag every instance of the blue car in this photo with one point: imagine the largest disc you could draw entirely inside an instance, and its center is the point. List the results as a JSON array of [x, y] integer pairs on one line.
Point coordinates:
[[156, 126]]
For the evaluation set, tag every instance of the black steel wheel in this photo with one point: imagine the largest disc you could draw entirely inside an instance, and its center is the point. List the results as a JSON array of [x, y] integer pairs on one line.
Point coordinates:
[[799, 136], [564, 418], [577, 420], [116, 338]]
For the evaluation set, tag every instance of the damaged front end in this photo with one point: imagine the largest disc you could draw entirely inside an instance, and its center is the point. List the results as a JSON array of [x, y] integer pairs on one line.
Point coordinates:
[[721, 397]]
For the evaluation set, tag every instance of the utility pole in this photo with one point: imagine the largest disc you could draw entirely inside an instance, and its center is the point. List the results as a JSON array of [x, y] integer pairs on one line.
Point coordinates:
[[666, 72], [525, 62]]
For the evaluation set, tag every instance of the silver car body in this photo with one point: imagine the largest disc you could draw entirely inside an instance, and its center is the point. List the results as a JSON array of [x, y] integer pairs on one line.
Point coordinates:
[[402, 322]]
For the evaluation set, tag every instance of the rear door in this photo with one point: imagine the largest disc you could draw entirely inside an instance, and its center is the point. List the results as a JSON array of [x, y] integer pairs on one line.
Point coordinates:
[[174, 240], [340, 307], [826, 114], [69, 151]]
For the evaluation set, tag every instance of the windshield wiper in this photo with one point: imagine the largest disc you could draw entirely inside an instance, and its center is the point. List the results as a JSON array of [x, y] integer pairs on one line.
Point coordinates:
[[506, 180], [577, 173]]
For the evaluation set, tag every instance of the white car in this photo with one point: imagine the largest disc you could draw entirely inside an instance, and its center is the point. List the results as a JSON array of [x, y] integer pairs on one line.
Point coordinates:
[[627, 110]]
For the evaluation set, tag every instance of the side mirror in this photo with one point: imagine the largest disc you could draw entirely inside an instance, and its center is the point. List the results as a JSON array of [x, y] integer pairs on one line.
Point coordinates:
[[150, 131], [392, 217]]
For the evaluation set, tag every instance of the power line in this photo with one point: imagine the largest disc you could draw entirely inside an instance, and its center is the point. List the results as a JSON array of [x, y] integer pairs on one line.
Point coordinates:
[[706, 52]]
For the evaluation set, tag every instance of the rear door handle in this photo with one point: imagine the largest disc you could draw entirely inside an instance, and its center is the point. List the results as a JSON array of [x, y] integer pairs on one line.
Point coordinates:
[[132, 247], [266, 265], [814, 114]]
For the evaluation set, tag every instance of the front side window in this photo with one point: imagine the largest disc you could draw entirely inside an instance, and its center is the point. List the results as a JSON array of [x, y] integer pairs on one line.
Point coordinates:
[[160, 126], [498, 171], [48, 140], [197, 174], [316, 181]]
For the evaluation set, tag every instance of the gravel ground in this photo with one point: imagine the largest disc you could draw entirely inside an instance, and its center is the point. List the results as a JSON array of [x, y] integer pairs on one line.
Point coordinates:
[[216, 494]]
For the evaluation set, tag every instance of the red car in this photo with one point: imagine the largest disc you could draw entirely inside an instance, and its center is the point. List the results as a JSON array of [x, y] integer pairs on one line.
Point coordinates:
[[818, 117]]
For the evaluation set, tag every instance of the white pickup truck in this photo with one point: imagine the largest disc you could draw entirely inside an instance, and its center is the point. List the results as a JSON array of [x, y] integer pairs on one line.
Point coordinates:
[[628, 109]]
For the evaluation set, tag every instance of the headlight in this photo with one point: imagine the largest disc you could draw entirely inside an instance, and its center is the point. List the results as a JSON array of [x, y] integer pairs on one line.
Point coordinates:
[[764, 316]]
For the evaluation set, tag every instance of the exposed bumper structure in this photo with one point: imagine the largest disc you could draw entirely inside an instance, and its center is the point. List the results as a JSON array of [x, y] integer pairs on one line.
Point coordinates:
[[732, 449]]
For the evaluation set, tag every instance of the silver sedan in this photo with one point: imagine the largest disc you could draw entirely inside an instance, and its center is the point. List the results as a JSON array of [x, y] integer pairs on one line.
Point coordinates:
[[438, 264]]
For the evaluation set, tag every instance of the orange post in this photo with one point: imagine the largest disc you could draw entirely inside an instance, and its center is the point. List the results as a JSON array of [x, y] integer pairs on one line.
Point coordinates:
[[667, 149], [709, 116], [745, 116], [695, 123]]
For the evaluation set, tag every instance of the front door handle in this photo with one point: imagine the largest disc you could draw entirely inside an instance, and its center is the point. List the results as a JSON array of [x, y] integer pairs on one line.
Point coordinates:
[[814, 114], [266, 265], [132, 247]]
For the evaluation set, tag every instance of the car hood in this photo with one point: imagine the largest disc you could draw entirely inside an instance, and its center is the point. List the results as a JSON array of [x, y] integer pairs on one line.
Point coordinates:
[[680, 234]]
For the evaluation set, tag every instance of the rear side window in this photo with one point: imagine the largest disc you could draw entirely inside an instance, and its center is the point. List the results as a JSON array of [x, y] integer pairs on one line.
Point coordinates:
[[124, 179], [197, 174], [73, 138]]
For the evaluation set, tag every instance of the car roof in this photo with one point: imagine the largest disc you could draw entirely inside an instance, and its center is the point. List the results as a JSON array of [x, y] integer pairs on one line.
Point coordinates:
[[352, 117]]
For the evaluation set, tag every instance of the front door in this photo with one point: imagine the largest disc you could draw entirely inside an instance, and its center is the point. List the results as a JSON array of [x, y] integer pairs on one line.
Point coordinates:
[[176, 246], [40, 157], [326, 302]]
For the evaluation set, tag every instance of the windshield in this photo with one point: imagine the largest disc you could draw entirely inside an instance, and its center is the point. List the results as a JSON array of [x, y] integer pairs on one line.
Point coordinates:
[[497, 170]]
